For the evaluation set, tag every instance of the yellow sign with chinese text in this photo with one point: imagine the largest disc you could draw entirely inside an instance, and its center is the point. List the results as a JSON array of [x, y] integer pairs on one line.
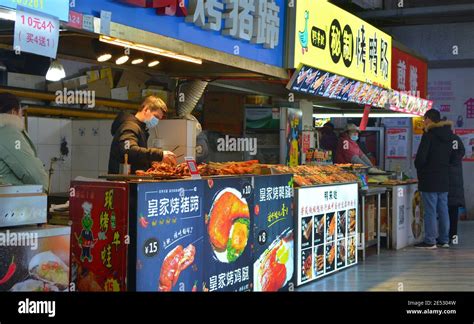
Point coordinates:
[[331, 39], [418, 125]]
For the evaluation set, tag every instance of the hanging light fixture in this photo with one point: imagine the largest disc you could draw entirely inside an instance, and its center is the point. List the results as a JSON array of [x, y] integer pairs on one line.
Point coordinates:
[[56, 71], [153, 63], [137, 61], [122, 59]]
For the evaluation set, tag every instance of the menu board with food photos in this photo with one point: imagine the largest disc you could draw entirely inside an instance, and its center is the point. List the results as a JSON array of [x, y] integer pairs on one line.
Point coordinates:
[[317, 82], [307, 79], [326, 238]]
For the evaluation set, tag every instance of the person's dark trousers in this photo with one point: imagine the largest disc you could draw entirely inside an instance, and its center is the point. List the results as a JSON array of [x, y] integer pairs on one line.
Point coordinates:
[[453, 221]]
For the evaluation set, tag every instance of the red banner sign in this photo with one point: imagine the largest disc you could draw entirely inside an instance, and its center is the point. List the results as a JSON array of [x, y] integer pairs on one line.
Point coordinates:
[[409, 73]]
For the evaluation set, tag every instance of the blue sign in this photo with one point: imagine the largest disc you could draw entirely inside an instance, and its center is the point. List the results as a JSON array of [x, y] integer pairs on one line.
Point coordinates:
[[267, 22], [273, 261], [56, 8], [36, 33], [228, 240], [170, 236]]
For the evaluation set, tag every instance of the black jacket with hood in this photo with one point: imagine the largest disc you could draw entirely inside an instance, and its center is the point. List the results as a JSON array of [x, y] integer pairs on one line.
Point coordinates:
[[433, 158], [127, 128], [456, 182]]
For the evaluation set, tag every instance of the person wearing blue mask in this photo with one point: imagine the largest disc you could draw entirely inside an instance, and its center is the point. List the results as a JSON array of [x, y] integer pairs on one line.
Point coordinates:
[[348, 151], [131, 133]]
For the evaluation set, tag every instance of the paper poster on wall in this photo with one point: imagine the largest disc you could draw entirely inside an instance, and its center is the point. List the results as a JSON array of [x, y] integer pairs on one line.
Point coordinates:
[[397, 143], [467, 137]]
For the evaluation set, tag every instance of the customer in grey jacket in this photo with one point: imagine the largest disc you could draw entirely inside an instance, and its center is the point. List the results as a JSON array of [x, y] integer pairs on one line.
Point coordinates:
[[19, 163]]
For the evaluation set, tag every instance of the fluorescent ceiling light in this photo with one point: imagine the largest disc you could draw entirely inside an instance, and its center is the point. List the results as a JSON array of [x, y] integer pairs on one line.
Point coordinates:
[[122, 59], [137, 61], [55, 72], [148, 49], [357, 115], [154, 63], [104, 57]]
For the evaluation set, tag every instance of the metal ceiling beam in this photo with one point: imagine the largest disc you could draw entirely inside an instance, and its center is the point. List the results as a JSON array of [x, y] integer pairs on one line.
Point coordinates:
[[418, 12]]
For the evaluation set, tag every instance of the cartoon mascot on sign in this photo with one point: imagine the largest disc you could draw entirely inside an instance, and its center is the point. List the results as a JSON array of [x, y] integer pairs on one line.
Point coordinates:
[[86, 239]]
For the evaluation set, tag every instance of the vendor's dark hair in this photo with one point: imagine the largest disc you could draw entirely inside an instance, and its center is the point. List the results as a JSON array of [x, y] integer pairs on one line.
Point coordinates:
[[8, 102], [433, 115]]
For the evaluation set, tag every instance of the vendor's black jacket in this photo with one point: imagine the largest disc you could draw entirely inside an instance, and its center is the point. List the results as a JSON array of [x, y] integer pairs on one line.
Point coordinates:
[[126, 127], [456, 182], [433, 158]]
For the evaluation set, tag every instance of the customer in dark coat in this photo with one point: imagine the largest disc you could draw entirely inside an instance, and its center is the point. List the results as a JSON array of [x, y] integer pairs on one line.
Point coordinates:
[[456, 185], [432, 165], [130, 134]]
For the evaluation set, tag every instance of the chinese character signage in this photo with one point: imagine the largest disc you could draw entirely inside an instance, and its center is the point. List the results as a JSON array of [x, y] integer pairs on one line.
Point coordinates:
[[36, 33], [99, 236], [409, 73], [326, 230], [252, 29], [273, 262], [330, 38], [170, 236], [402, 101], [55, 8], [257, 21], [228, 237]]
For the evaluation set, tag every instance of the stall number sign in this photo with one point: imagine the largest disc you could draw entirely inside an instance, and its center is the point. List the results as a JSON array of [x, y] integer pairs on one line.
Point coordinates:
[[36, 33], [330, 38], [254, 21], [56, 8]]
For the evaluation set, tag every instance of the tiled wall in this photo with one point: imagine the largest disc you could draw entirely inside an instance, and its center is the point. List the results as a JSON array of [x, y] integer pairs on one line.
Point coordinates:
[[88, 142]]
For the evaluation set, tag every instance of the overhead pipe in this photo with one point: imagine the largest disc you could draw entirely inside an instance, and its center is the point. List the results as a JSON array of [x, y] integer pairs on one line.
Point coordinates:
[[50, 96], [68, 112]]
